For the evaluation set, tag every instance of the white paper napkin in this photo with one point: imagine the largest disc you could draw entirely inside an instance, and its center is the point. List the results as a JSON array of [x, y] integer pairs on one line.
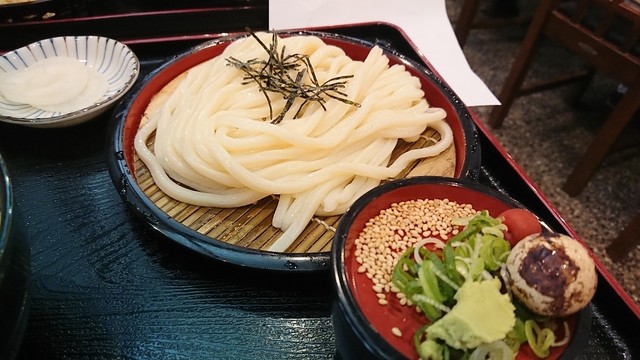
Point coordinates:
[[424, 21]]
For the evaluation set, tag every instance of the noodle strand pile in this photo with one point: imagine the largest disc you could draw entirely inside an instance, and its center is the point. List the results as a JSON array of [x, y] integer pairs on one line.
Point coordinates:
[[215, 147]]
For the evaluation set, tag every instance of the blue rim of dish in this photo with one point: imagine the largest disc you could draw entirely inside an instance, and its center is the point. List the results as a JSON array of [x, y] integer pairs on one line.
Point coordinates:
[[349, 309], [127, 187]]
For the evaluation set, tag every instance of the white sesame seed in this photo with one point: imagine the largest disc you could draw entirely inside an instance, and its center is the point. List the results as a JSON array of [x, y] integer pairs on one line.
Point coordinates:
[[389, 234], [395, 331]]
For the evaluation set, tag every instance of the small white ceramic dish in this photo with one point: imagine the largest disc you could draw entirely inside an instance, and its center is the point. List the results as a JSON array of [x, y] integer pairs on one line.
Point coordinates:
[[110, 58]]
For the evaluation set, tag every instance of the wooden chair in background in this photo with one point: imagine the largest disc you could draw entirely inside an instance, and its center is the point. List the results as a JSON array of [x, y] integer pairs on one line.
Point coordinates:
[[605, 33], [468, 19], [626, 241]]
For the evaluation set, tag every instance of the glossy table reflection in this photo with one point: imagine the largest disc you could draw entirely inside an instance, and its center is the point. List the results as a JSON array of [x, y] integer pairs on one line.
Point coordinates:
[[105, 285]]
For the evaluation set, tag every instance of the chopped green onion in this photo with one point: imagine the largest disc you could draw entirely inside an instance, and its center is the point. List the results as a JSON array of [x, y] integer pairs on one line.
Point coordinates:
[[424, 299], [540, 340], [439, 272], [450, 268], [430, 281]]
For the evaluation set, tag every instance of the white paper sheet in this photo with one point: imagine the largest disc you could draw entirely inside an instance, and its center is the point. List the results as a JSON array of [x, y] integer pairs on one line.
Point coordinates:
[[424, 21]]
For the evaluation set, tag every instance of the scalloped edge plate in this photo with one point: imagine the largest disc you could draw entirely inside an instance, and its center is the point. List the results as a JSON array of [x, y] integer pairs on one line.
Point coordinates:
[[111, 58]]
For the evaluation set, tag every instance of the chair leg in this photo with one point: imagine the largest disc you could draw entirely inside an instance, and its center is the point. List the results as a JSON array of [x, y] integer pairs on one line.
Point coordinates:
[[581, 88], [465, 20], [626, 240], [604, 139], [520, 67]]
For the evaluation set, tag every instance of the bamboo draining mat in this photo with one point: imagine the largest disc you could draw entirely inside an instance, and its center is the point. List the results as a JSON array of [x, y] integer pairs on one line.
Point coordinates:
[[250, 226]]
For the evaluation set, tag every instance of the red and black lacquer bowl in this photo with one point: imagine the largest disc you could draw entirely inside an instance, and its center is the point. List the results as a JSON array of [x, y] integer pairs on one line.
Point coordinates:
[[127, 118], [363, 326]]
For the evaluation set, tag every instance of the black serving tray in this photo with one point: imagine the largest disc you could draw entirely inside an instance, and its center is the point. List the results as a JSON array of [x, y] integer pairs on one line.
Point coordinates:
[[105, 285]]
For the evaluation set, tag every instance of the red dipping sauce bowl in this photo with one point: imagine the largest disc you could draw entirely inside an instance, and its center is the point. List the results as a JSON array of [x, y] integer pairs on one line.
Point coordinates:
[[362, 325]]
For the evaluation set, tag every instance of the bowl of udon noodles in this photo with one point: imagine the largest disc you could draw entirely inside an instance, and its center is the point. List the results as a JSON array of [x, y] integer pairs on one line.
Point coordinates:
[[396, 258], [249, 148], [15, 265], [65, 80]]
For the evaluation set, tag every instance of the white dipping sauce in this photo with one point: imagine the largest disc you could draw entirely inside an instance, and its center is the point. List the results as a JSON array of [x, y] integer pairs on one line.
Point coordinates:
[[58, 84]]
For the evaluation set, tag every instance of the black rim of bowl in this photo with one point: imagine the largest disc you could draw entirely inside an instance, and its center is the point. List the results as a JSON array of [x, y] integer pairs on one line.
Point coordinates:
[[15, 267], [126, 185], [26, 11], [354, 317], [6, 205]]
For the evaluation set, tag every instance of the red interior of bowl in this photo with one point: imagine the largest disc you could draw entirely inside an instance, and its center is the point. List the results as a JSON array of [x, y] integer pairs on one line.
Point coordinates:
[[383, 318], [152, 87], [356, 51]]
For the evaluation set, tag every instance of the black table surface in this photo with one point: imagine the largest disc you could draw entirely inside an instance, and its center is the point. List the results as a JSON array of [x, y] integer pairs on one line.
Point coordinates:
[[105, 285]]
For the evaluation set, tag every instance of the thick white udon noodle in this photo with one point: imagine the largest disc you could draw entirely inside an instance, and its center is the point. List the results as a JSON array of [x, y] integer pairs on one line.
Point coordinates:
[[213, 146]]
